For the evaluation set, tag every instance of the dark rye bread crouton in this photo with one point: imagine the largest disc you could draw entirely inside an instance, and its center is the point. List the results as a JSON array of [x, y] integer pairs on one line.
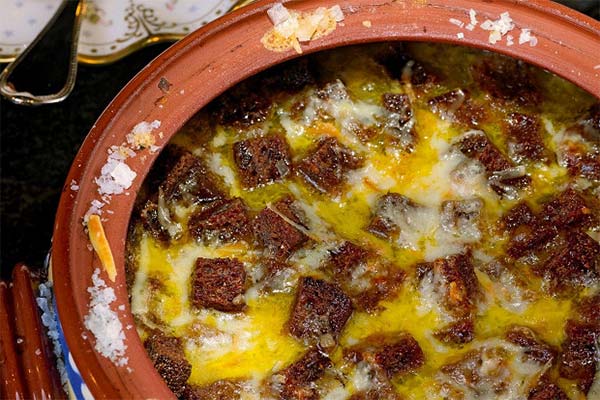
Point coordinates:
[[534, 348], [297, 381], [241, 107], [508, 80], [457, 106], [218, 283], [398, 103], [277, 236], [344, 259], [459, 332], [321, 309], [262, 160], [169, 360], [398, 122], [575, 263], [579, 355], [363, 276], [566, 210], [588, 311], [389, 209], [546, 390], [151, 222], [219, 390], [482, 370], [384, 393], [569, 208], [477, 145], [288, 207], [582, 163], [190, 181], [519, 215], [460, 287], [395, 353], [291, 76], [579, 352], [225, 220], [326, 164], [525, 139]]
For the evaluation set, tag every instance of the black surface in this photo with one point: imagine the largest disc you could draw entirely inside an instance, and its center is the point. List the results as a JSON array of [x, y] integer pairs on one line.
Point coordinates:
[[37, 146]]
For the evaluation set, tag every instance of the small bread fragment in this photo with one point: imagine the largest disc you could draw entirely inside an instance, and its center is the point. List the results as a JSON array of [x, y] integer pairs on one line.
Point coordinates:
[[224, 220], [326, 165], [321, 308], [218, 390], [189, 181], [262, 160], [219, 283], [278, 237], [169, 360], [297, 381], [535, 349], [395, 353]]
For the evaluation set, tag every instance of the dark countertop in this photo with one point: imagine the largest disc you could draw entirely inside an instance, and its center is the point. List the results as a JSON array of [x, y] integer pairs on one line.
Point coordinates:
[[37, 146]]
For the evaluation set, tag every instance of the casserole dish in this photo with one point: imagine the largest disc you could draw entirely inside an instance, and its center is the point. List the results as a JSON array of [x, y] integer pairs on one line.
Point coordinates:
[[201, 67]]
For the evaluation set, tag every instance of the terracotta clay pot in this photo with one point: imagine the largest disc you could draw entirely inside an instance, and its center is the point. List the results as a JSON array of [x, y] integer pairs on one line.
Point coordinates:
[[216, 57]]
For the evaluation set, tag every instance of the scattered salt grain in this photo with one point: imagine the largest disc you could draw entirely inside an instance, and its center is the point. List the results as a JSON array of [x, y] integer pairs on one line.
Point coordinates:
[[457, 22], [291, 27], [74, 186], [48, 317], [509, 40], [115, 175], [526, 36], [141, 136], [473, 18], [366, 23], [104, 323], [499, 27], [460, 35]]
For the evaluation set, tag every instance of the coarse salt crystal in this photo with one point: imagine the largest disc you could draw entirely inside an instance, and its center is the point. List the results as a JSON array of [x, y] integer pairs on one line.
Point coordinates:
[[509, 40], [498, 28], [278, 14], [123, 175], [74, 186], [460, 35], [366, 23], [141, 134], [456, 22], [524, 36], [337, 13], [472, 17], [104, 323]]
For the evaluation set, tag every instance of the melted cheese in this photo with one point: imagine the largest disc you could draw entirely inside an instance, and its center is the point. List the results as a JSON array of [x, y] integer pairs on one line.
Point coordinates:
[[253, 344]]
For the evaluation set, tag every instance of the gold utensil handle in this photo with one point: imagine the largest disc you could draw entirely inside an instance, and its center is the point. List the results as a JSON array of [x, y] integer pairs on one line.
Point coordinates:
[[45, 72]]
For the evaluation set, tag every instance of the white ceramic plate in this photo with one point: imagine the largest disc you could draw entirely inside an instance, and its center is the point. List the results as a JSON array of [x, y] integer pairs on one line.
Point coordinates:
[[110, 29]]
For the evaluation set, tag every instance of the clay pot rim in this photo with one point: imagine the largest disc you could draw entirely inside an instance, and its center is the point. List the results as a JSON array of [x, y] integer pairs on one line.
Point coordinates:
[[228, 51]]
